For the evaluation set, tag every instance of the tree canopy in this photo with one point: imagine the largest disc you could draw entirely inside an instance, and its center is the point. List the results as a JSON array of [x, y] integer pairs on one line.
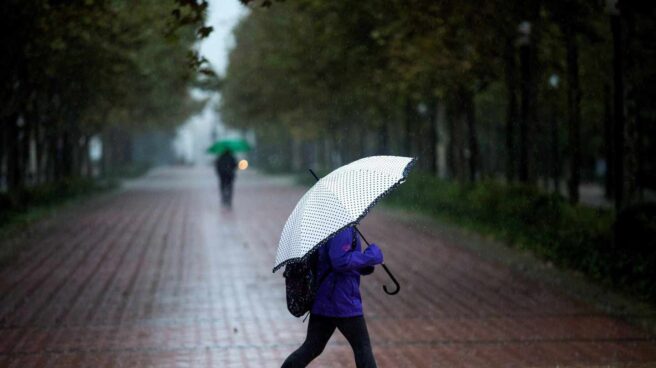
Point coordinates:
[[475, 90], [74, 69]]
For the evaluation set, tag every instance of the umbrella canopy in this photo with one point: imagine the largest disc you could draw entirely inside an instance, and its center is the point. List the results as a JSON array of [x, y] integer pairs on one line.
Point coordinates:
[[340, 199], [235, 145]]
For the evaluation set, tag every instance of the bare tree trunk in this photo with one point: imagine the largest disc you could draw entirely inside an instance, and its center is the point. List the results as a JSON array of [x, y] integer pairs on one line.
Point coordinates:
[[3, 149], [327, 153], [618, 110], [456, 161], [36, 135], [525, 56], [511, 109], [408, 134], [608, 144], [472, 136], [574, 114], [383, 139], [14, 177], [555, 147], [106, 163], [433, 138], [67, 153], [296, 155], [528, 86], [26, 149], [451, 149], [631, 141]]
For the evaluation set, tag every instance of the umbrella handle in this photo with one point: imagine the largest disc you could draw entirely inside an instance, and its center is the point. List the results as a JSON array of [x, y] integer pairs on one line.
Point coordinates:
[[389, 273], [396, 283]]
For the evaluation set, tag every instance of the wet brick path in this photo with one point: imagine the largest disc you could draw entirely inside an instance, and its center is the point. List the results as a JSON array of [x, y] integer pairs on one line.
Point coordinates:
[[159, 276]]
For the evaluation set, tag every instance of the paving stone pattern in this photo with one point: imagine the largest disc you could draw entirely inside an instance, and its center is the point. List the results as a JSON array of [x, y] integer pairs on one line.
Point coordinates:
[[159, 275]]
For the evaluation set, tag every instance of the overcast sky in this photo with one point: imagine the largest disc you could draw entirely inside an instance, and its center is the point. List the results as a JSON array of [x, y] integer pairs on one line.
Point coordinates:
[[223, 15], [195, 135]]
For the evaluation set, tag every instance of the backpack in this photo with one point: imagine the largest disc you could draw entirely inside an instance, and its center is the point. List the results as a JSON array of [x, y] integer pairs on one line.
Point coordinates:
[[301, 283]]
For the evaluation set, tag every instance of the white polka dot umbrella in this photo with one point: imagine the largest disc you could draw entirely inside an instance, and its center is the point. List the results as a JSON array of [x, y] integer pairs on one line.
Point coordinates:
[[340, 199]]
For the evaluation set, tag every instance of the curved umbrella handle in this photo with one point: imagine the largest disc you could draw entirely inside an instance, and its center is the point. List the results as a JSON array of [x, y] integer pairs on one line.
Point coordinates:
[[389, 273], [396, 283]]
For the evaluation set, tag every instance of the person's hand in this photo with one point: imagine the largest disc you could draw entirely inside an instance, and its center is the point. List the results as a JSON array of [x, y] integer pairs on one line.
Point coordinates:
[[368, 270], [374, 252]]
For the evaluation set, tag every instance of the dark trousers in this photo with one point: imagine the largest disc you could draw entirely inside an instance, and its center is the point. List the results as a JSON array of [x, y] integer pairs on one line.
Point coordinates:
[[226, 190], [319, 331]]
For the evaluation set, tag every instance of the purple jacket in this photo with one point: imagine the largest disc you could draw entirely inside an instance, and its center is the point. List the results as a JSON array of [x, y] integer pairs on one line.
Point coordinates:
[[339, 293]]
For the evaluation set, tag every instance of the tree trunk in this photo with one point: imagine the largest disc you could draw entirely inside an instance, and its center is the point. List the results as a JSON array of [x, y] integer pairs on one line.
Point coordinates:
[[26, 148], [631, 145], [524, 57], [456, 161], [36, 135], [433, 136], [574, 115], [472, 137], [14, 176], [618, 111], [608, 144], [555, 148], [408, 134], [383, 139], [511, 110], [528, 85], [297, 152], [451, 149], [4, 144], [67, 147], [85, 163]]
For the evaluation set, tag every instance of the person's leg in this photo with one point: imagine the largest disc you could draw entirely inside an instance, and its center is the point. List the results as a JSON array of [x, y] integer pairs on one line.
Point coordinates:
[[355, 331], [319, 331], [229, 186], [224, 184]]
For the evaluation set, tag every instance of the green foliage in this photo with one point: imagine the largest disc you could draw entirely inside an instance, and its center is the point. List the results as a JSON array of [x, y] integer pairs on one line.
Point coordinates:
[[338, 75], [71, 70], [130, 170], [574, 237], [16, 204]]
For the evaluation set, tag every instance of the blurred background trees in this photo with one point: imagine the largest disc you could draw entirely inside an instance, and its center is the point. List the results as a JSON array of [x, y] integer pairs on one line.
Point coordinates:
[[551, 94], [517, 110], [75, 71]]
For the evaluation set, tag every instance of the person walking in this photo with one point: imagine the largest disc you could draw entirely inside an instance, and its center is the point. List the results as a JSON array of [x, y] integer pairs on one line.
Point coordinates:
[[338, 304], [225, 166]]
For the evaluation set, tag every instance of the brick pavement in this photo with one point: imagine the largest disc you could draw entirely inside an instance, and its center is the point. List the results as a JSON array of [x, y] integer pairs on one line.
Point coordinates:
[[159, 276]]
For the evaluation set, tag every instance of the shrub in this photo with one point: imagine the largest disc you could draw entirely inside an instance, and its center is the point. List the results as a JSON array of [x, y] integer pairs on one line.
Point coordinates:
[[621, 254]]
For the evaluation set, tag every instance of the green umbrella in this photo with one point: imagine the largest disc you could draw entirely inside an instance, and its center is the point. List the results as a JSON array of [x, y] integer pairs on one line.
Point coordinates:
[[234, 145]]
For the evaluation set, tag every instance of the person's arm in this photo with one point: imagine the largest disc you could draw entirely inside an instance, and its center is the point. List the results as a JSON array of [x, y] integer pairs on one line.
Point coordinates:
[[344, 258]]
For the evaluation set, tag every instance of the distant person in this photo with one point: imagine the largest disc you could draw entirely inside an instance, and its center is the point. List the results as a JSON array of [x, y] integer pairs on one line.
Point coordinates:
[[225, 166]]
